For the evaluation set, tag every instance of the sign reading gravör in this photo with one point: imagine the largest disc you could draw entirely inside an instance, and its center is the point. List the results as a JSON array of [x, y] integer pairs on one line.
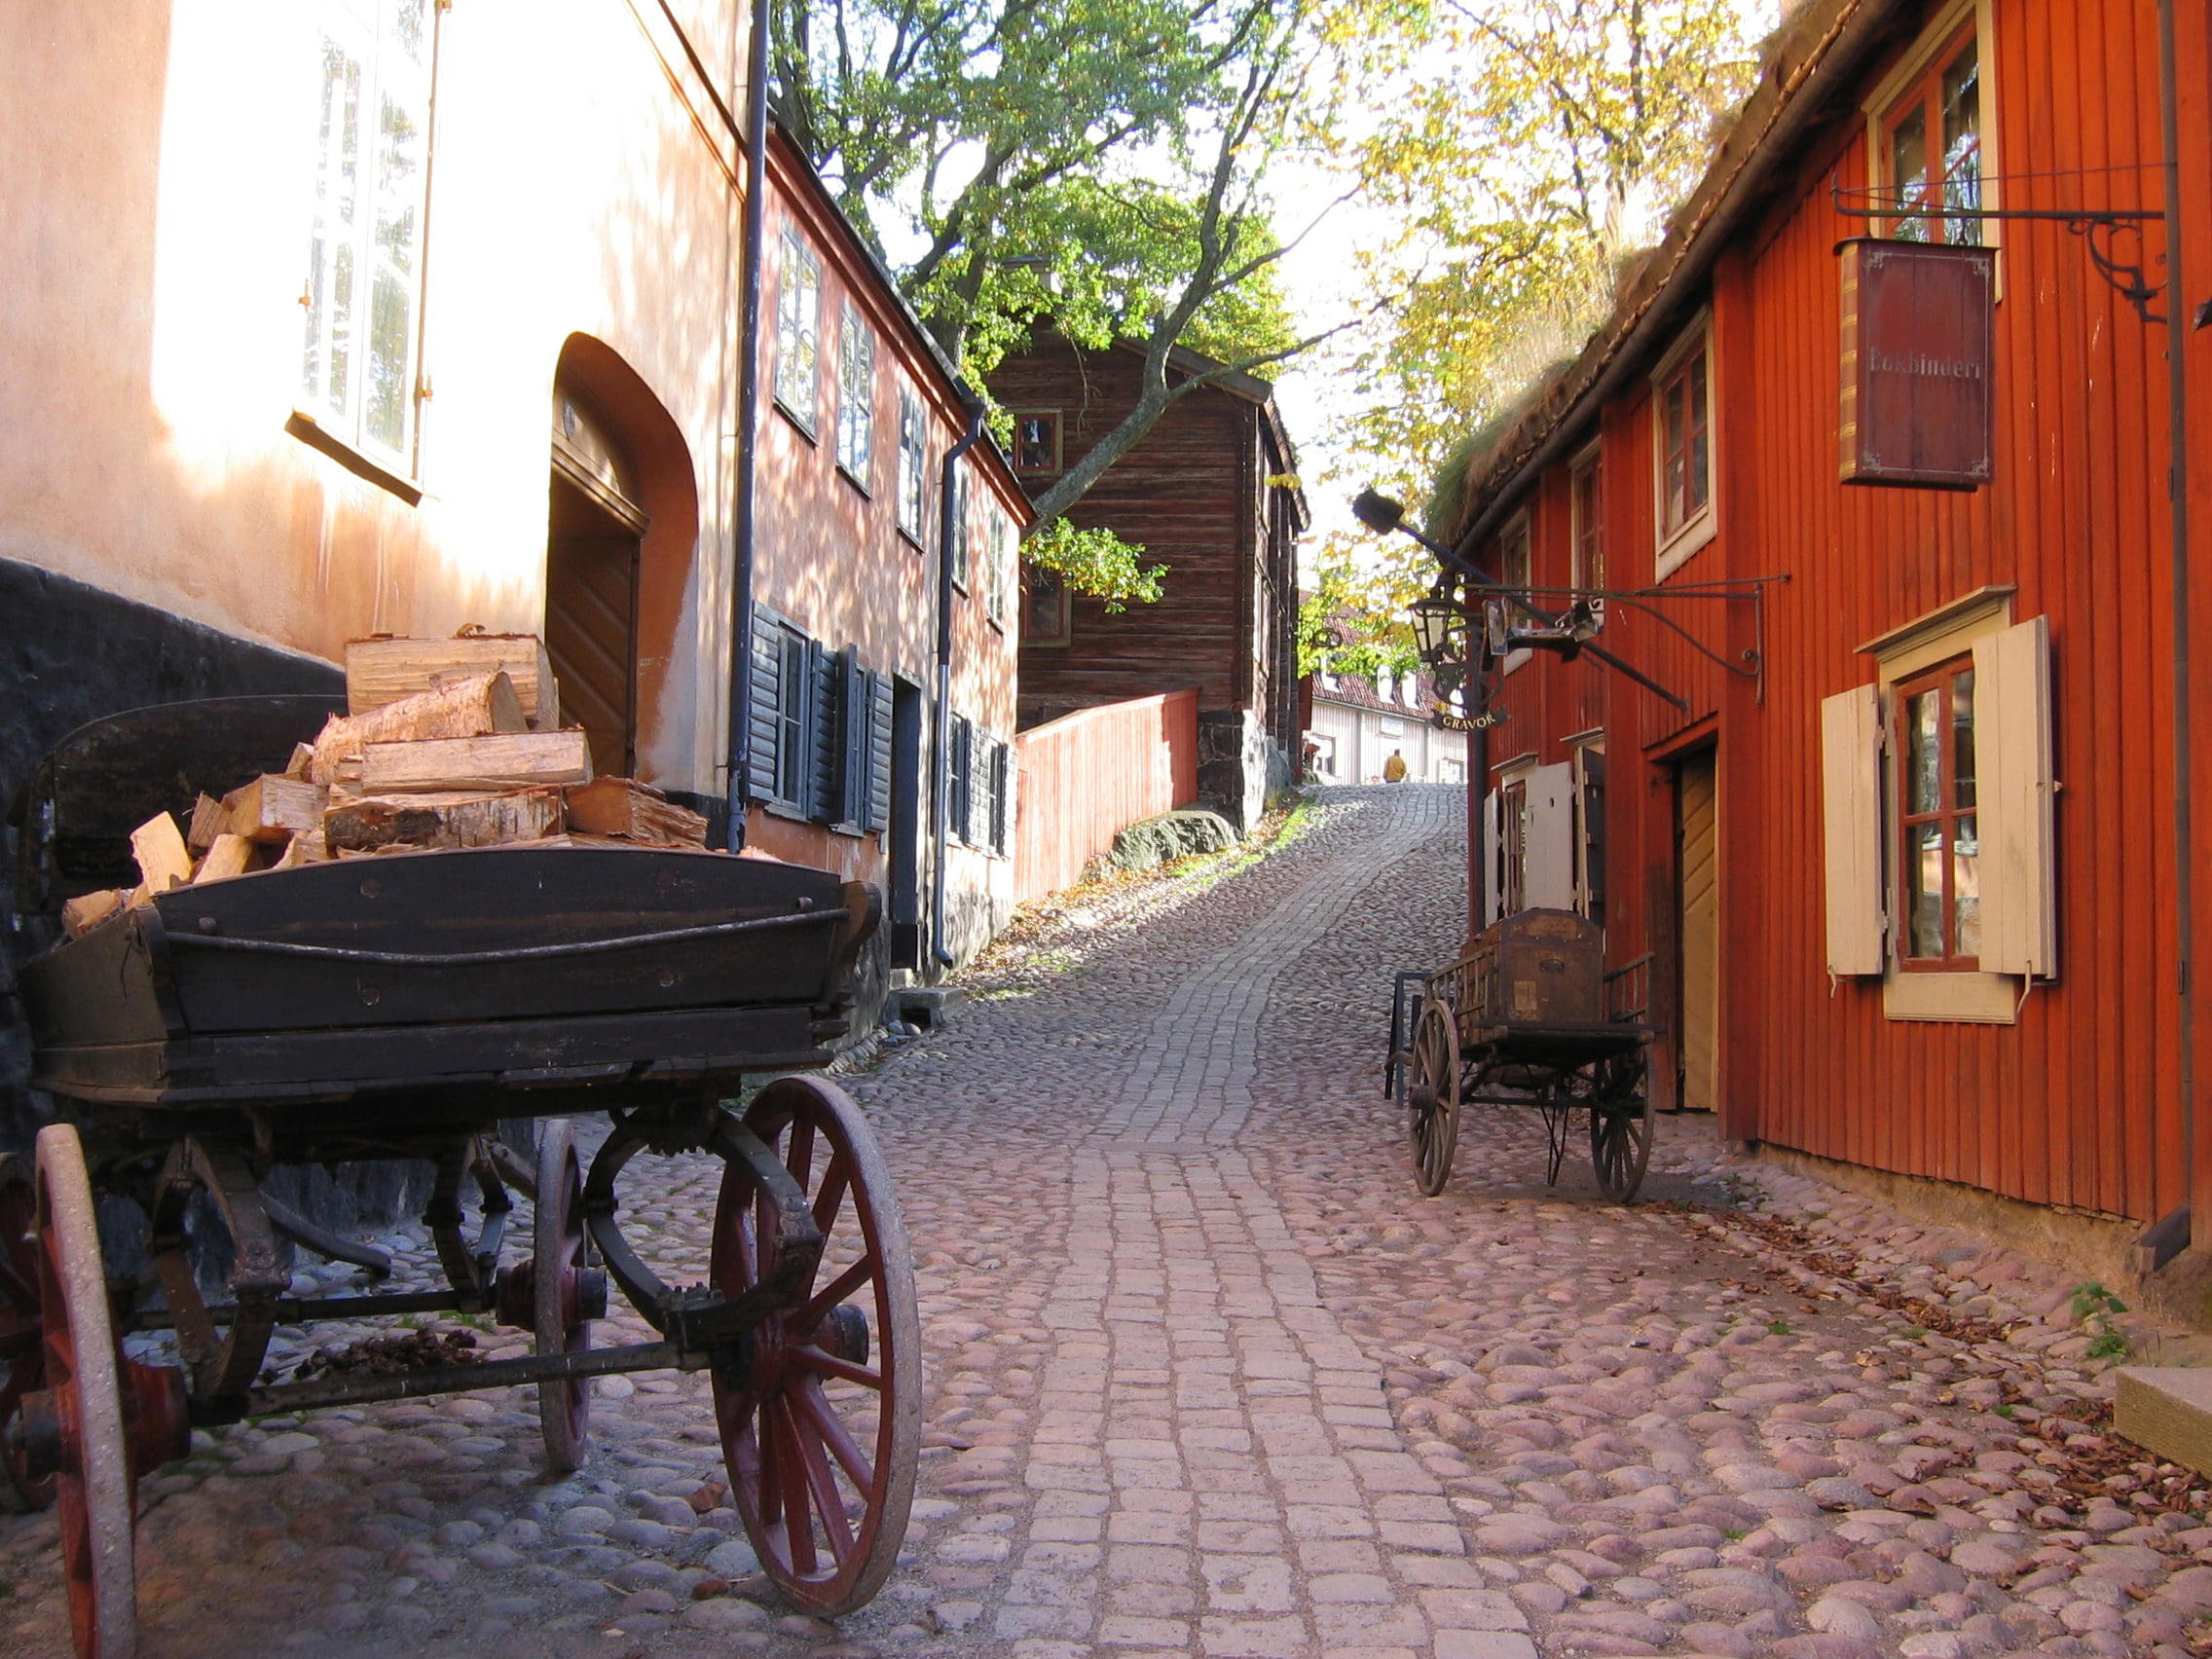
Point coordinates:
[[1919, 325]]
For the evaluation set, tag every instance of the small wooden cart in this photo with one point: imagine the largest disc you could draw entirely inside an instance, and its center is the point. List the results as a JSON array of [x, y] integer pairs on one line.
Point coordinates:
[[1528, 1016], [402, 1008]]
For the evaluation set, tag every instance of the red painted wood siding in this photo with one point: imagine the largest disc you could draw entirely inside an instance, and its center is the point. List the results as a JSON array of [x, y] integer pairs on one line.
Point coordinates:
[[2076, 1104], [1088, 774]]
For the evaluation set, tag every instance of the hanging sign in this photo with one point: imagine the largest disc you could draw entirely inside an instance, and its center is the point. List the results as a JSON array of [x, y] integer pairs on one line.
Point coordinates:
[[1919, 329]]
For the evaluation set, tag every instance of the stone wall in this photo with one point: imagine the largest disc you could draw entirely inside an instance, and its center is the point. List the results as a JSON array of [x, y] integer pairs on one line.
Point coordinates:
[[1239, 767]]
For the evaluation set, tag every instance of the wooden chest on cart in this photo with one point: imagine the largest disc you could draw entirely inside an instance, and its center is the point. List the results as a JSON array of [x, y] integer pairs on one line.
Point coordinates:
[[1540, 967]]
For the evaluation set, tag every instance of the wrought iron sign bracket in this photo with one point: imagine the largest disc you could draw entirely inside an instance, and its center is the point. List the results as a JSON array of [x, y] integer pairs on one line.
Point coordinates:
[[2097, 227], [1749, 664]]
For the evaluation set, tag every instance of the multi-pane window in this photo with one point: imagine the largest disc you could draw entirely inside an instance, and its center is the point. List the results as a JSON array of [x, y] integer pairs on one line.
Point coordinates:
[[1941, 860], [1037, 442], [911, 464], [1513, 558], [961, 533], [1000, 576], [856, 395], [798, 325], [1685, 450], [1589, 531], [364, 278], [1047, 616], [1933, 147]]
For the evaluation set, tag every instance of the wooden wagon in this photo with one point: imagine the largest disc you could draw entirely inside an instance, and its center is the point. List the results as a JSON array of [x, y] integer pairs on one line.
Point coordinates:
[[1529, 1016], [402, 1008]]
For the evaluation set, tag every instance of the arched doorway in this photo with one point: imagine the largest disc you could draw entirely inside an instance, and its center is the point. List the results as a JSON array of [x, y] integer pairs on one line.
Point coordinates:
[[622, 526], [594, 550]]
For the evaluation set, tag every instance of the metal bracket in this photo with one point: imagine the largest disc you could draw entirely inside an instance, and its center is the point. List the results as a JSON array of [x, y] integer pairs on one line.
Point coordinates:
[[2097, 227]]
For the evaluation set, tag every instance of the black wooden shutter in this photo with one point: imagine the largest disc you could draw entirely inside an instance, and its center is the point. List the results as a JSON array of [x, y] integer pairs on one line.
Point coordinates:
[[824, 746], [979, 789], [1002, 771], [853, 726], [956, 775], [880, 703], [764, 731]]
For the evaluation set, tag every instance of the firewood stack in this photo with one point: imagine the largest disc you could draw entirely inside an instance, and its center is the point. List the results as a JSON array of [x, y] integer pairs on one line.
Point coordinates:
[[444, 744]]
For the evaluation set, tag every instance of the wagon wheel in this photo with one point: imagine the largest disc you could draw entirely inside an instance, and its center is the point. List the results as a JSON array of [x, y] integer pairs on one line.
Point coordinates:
[[1620, 1126], [95, 1481], [821, 1435], [557, 1268], [22, 1353], [1433, 1099]]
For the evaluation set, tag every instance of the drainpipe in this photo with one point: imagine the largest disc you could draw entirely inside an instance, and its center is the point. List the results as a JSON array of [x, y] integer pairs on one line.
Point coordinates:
[[2176, 494], [748, 427], [941, 783]]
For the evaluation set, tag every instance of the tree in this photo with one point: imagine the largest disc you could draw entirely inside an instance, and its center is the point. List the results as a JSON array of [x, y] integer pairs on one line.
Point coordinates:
[[1530, 149], [1099, 164]]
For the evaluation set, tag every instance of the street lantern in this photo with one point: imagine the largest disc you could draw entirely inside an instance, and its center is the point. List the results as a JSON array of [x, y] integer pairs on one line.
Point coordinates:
[[1440, 630]]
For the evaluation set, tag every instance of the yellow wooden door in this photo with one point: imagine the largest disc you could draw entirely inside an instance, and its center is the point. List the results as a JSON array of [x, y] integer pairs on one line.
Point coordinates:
[[1697, 822]]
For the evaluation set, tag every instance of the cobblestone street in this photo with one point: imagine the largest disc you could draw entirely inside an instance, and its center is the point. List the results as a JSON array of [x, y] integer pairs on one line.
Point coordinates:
[[1205, 1376]]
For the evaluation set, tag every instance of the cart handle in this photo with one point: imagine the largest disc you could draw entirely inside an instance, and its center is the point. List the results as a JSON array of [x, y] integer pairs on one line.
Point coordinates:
[[523, 953]]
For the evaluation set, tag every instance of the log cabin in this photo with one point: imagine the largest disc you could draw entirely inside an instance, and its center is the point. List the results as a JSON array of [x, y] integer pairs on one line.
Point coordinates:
[[1210, 493], [1906, 500]]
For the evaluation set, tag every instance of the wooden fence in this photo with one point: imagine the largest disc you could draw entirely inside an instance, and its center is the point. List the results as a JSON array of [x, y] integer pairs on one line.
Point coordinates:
[[1087, 775]]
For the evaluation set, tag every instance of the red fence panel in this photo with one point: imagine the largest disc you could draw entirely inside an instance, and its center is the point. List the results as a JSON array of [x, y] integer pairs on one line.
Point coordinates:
[[1086, 776]]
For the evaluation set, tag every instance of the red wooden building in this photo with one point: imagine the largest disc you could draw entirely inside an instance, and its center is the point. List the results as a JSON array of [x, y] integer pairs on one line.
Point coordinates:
[[1207, 494], [1915, 863]]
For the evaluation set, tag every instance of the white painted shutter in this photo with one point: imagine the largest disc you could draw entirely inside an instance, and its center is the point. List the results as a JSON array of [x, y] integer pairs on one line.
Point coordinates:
[[1489, 858], [1851, 804], [1547, 878], [2013, 799]]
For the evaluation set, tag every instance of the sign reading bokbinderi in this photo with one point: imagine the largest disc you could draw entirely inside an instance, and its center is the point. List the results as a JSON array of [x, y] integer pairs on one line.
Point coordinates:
[[1919, 320]]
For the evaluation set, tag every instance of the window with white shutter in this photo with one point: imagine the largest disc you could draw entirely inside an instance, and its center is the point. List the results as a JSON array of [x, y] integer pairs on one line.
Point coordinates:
[[2019, 907], [1851, 804]]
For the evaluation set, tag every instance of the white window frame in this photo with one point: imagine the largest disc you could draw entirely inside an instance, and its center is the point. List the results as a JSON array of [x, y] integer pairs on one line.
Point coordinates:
[[1000, 574], [913, 466], [1520, 527], [963, 535], [1674, 549], [1920, 57], [856, 397], [345, 415], [798, 330], [1589, 460]]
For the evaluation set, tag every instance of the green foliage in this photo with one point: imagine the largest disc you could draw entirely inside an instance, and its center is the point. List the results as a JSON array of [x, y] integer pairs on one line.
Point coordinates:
[[2091, 1297], [1778, 1327], [2094, 1305], [1527, 152], [1095, 562], [1351, 624]]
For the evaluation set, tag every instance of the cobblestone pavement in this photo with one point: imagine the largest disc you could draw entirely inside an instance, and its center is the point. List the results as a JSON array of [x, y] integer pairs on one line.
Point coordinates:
[[1208, 1377]]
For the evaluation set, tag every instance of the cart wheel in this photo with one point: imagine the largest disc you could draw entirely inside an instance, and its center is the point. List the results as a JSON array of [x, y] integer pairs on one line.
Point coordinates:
[[22, 1354], [1433, 1101], [93, 1481], [821, 1435], [560, 1255], [1620, 1129]]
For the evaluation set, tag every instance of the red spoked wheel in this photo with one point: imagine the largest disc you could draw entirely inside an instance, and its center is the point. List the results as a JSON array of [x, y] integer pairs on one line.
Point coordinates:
[[22, 1349], [821, 1426], [557, 1270], [93, 1481]]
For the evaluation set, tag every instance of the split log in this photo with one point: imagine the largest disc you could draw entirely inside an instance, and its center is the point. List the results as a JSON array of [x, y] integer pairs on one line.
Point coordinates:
[[459, 819], [206, 823], [379, 672], [85, 912], [502, 761], [301, 755], [231, 855], [475, 707], [164, 860], [304, 849], [636, 812], [274, 808]]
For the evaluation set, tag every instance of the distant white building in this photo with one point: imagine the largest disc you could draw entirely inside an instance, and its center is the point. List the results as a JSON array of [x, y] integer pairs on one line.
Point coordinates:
[[1358, 721]]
